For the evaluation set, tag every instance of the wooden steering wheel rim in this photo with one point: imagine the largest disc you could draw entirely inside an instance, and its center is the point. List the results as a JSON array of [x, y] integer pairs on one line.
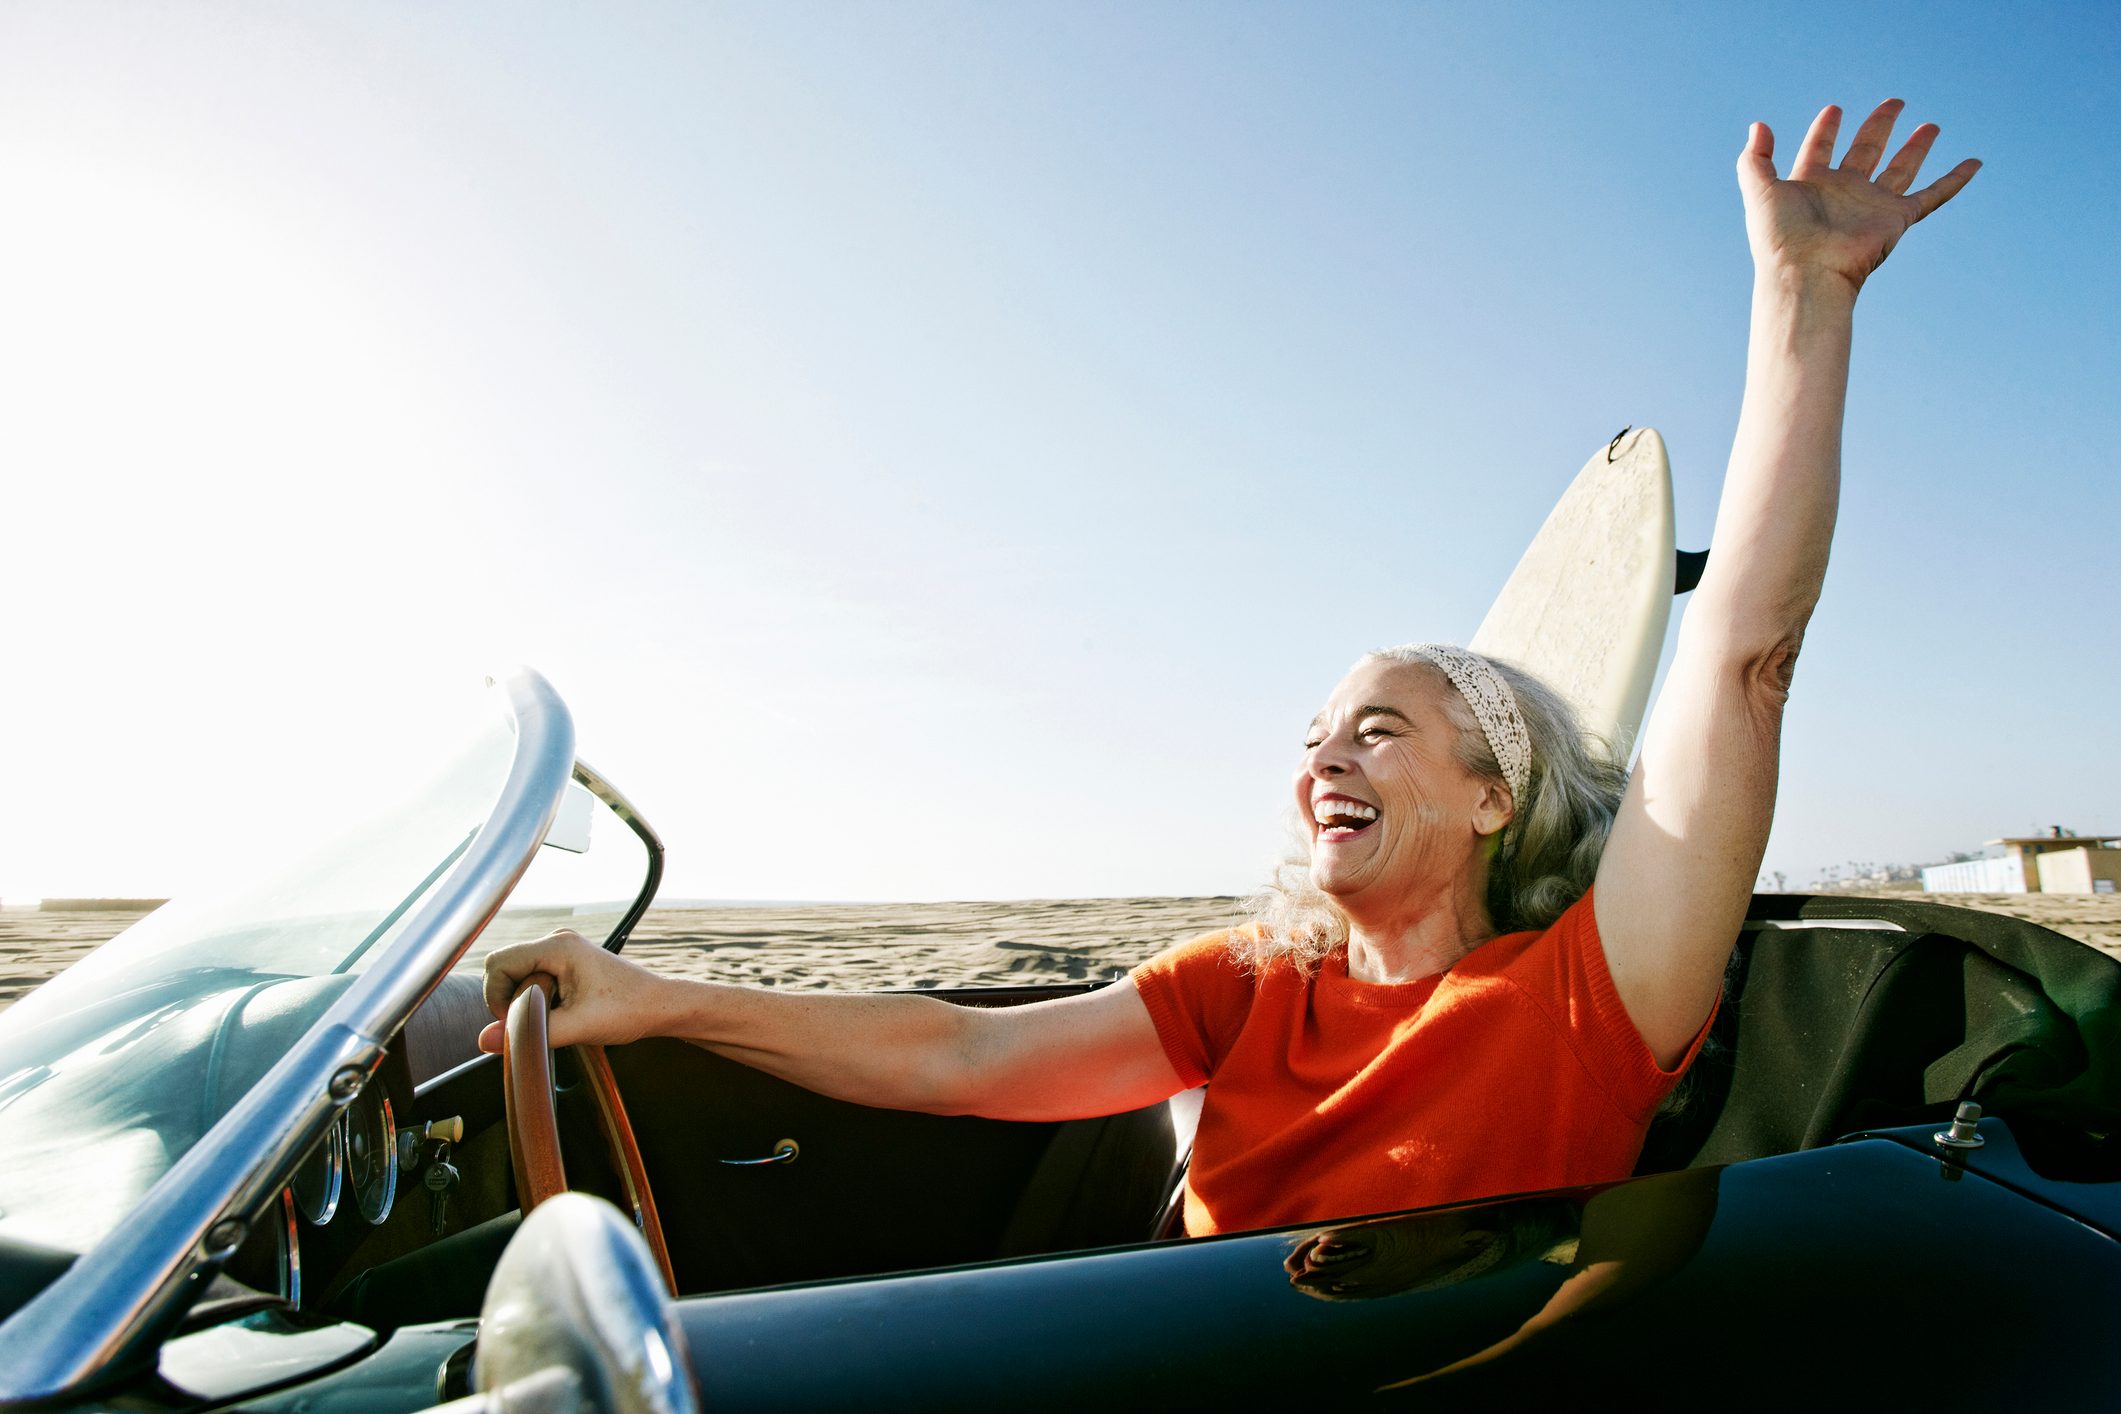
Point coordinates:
[[534, 1125]]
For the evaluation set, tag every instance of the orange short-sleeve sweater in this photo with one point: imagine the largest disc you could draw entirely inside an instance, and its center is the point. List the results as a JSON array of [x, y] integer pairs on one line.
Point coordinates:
[[1516, 1070]]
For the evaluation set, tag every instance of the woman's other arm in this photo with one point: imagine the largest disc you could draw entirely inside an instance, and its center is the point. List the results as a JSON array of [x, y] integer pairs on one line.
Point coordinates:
[[1086, 1055], [1678, 873]]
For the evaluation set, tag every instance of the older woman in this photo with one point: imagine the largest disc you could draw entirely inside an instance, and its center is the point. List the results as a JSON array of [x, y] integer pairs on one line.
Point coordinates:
[[1501, 953]]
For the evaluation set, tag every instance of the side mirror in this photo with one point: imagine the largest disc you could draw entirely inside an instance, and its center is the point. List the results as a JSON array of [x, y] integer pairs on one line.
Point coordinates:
[[576, 1318]]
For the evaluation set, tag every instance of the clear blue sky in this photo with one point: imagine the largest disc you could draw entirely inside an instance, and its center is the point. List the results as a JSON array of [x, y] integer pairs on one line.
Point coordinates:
[[949, 451]]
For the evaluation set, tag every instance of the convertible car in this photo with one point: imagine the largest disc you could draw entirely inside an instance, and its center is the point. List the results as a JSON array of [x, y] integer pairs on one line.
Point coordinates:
[[250, 1158]]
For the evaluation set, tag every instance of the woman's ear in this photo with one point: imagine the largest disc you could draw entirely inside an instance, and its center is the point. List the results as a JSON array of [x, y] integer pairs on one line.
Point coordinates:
[[1494, 810]]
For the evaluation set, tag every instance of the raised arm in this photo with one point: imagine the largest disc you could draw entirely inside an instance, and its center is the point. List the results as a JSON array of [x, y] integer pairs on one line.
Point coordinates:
[[1088, 1055], [1678, 872]]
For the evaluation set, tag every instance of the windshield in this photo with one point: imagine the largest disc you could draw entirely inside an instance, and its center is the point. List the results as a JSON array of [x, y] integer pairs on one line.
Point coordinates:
[[115, 1067]]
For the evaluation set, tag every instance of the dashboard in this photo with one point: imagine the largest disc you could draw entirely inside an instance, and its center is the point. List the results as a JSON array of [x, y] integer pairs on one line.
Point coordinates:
[[418, 1155]]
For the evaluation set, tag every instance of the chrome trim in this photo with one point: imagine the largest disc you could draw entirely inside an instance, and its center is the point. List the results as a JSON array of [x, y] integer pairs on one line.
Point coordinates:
[[1876, 925], [452, 1073], [1965, 1132], [577, 1290], [389, 1180], [105, 1315], [335, 1164], [605, 791], [785, 1151], [290, 1252]]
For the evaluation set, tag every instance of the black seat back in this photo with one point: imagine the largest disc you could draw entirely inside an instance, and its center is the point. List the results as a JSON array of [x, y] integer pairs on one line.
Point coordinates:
[[1842, 1014]]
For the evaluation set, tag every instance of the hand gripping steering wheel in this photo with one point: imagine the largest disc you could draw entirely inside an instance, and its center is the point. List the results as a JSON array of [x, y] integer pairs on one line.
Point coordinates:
[[534, 1126]]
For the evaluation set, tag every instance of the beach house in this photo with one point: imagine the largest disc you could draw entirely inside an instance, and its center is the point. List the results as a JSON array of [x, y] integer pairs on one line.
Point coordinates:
[[2056, 861]]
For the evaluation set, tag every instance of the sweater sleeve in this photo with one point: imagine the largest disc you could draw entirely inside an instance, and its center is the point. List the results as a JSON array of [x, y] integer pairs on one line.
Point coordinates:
[[1198, 995]]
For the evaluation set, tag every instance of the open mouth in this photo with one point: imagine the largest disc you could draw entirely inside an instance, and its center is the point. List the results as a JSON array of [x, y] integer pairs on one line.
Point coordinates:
[[1340, 818]]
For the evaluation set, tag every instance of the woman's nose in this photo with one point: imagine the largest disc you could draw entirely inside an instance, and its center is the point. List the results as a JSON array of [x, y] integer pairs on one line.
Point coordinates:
[[1326, 759]]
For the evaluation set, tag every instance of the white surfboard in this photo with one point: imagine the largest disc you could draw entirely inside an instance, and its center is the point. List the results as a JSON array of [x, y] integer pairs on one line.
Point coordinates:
[[1586, 608]]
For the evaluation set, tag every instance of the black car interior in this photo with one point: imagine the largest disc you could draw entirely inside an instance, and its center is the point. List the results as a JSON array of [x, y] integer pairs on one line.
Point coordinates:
[[1839, 1015]]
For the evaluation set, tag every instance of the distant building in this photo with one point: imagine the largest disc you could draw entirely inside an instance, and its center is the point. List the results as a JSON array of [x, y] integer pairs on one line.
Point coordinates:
[[2004, 875], [2057, 862], [2091, 869]]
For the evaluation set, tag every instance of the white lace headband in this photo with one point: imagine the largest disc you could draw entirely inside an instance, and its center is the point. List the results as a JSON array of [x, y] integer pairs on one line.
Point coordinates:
[[1494, 707]]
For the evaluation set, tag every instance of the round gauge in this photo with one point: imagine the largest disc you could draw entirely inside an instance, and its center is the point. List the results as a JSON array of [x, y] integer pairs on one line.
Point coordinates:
[[317, 1182], [371, 1153]]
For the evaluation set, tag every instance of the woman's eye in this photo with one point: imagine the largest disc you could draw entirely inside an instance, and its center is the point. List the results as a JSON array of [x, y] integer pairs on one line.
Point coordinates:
[[1311, 743]]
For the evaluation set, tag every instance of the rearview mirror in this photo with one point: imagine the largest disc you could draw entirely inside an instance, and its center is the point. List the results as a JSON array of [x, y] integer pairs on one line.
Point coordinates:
[[570, 824]]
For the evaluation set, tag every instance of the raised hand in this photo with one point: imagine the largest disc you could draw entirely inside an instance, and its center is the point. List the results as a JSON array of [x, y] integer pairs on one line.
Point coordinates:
[[1839, 220]]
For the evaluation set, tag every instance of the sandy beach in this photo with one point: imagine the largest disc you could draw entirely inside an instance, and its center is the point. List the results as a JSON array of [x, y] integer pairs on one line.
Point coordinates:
[[863, 946], [849, 946], [923, 945]]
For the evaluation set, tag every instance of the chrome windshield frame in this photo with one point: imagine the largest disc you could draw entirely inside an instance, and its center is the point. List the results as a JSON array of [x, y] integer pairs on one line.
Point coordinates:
[[106, 1314], [601, 787]]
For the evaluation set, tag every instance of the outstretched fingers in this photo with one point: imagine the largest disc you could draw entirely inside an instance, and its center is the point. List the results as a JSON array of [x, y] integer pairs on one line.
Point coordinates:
[[1869, 145], [1817, 149], [1899, 174], [1945, 187]]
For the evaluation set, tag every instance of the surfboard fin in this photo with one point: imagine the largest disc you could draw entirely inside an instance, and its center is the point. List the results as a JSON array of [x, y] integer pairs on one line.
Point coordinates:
[[1688, 573]]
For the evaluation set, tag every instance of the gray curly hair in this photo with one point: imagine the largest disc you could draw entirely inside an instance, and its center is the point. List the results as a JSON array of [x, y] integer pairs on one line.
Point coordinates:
[[1546, 858]]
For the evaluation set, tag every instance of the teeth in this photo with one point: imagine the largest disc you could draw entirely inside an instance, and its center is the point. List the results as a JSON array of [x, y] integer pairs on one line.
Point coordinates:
[[1323, 811]]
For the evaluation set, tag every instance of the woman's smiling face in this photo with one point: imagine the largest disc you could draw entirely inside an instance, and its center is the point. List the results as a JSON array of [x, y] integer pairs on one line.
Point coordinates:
[[1391, 811]]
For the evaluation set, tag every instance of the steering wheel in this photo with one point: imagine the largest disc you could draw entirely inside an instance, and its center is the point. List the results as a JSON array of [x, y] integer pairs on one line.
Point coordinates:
[[534, 1126]]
